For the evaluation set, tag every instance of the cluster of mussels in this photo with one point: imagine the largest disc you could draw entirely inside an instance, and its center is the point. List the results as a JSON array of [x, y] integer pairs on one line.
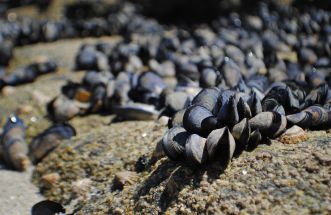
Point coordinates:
[[227, 84], [82, 19], [158, 69], [28, 73], [220, 124], [15, 151]]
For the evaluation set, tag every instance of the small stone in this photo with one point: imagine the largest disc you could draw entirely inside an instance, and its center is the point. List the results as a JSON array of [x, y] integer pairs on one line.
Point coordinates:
[[51, 178], [124, 178], [8, 90], [293, 135]]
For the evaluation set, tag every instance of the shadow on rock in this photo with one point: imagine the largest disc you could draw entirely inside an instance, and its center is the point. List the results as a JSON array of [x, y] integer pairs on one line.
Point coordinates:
[[175, 178]]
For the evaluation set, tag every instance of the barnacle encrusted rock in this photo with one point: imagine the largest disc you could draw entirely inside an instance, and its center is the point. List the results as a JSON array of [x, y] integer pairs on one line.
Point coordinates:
[[293, 135]]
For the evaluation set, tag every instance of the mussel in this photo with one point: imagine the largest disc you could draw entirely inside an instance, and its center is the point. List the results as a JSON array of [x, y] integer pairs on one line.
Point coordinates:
[[220, 145], [270, 124], [174, 141], [13, 144], [48, 140], [195, 150], [199, 120]]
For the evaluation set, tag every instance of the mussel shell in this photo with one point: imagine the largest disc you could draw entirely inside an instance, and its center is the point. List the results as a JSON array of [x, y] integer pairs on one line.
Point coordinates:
[[241, 133], [14, 147], [176, 101], [61, 109], [199, 120], [220, 145], [255, 104], [208, 78], [254, 140], [174, 141], [177, 119], [319, 115], [136, 111], [228, 113], [207, 98], [244, 110], [196, 150], [302, 119], [47, 207], [317, 96], [47, 141], [270, 124], [150, 82], [230, 71]]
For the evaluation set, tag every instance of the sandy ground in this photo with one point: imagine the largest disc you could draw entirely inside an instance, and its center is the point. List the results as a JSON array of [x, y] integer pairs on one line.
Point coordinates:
[[17, 194]]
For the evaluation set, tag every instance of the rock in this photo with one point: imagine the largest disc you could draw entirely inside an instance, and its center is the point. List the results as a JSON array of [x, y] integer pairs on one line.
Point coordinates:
[[324, 159], [293, 135], [124, 178]]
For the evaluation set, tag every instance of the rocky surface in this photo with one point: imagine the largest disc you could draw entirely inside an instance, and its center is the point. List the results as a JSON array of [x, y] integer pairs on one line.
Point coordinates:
[[274, 179]]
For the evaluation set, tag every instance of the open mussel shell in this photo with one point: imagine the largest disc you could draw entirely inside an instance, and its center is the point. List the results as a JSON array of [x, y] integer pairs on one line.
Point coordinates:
[[14, 147], [47, 207], [270, 124], [207, 98], [195, 150], [174, 141], [241, 133], [199, 120], [254, 140], [220, 145], [47, 141], [136, 111]]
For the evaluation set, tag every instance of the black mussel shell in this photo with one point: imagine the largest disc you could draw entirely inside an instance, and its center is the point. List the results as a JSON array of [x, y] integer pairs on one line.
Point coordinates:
[[254, 140], [207, 98], [228, 114], [14, 148], [317, 95], [174, 141], [196, 150], [45, 142], [176, 101], [177, 119], [270, 124], [241, 133], [47, 207], [135, 111], [230, 71], [302, 119], [220, 145], [208, 78], [255, 104], [319, 115], [199, 120], [244, 111]]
